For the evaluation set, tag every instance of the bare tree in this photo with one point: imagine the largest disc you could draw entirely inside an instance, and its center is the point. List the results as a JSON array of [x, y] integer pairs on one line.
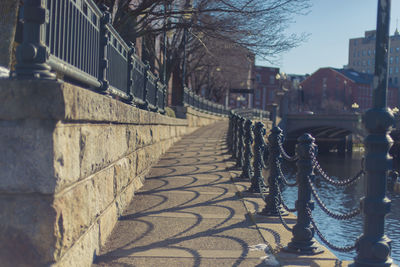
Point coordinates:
[[255, 25]]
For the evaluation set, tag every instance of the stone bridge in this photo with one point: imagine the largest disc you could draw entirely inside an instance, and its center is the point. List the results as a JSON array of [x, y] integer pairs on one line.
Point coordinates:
[[330, 130]]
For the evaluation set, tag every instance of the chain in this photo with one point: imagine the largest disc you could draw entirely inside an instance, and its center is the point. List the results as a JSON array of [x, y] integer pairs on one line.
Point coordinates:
[[327, 211], [282, 176], [283, 221], [282, 202], [325, 240], [284, 154], [346, 182]]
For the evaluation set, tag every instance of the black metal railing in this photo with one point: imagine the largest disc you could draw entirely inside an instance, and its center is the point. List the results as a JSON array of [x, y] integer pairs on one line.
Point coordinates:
[[202, 104], [76, 39], [246, 141]]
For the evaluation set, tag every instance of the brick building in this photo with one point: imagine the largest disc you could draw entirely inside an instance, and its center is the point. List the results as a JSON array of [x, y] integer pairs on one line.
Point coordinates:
[[362, 55], [335, 90], [265, 86]]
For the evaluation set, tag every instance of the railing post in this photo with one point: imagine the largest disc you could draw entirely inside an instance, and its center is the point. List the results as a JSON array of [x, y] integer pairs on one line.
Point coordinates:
[[272, 204], [374, 247], [32, 55], [156, 94], [145, 106], [104, 21], [239, 156], [303, 241], [247, 171], [131, 52], [257, 180]]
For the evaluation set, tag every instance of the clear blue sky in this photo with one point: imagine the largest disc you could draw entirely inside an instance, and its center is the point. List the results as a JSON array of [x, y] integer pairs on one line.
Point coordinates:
[[331, 23]]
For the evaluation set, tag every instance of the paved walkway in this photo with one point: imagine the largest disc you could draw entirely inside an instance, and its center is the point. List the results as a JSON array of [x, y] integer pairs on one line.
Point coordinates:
[[191, 213]]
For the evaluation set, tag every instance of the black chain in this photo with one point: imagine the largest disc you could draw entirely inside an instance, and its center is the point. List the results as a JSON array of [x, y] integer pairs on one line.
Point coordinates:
[[283, 202], [325, 240], [346, 182], [283, 221], [284, 154], [282, 176], [336, 216]]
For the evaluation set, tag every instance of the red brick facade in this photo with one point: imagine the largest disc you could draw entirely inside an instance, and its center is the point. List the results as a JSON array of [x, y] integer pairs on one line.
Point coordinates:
[[330, 89]]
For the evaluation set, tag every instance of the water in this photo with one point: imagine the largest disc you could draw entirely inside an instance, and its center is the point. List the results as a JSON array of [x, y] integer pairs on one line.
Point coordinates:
[[342, 200]]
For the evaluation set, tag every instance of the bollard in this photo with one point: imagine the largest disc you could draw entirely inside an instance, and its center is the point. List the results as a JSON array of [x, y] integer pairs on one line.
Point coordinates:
[[247, 171], [257, 180], [234, 136], [272, 204], [240, 142], [374, 247], [303, 241]]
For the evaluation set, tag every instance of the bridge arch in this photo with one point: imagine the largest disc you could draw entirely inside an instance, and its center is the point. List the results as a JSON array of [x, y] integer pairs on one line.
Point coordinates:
[[329, 130]]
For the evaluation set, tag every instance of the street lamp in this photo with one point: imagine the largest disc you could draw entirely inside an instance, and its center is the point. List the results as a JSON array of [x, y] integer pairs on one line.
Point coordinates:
[[187, 15], [344, 95], [355, 106]]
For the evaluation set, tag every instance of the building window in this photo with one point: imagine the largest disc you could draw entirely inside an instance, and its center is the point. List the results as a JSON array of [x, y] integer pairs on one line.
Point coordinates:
[[369, 52], [354, 54], [355, 42], [391, 50], [397, 69], [391, 60], [397, 49], [390, 70], [363, 53], [395, 80], [258, 77], [397, 59], [369, 62], [272, 79], [358, 53]]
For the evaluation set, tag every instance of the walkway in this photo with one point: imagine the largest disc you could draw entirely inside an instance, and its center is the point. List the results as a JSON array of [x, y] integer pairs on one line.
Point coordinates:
[[191, 213]]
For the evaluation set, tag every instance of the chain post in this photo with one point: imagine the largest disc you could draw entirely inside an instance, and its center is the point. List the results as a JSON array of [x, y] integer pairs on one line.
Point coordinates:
[[234, 136], [303, 241], [239, 157], [247, 171], [257, 180], [32, 55], [273, 207], [374, 247]]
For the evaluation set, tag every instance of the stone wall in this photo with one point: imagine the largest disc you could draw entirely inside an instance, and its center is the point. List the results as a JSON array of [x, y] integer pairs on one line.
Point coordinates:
[[71, 162]]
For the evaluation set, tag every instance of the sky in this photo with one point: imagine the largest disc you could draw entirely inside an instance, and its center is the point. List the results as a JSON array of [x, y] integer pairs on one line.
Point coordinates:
[[330, 23]]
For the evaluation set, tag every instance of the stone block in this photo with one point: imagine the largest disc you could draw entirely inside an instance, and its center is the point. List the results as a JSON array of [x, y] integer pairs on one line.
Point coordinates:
[[84, 250], [107, 222], [66, 154], [124, 198], [124, 172], [101, 145], [79, 206], [27, 230], [26, 161]]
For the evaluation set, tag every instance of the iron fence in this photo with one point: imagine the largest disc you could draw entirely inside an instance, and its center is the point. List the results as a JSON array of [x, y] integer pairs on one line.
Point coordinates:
[[75, 38], [202, 104]]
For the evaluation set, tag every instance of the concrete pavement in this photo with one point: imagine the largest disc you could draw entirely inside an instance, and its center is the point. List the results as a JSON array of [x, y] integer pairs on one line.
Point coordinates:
[[191, 212]]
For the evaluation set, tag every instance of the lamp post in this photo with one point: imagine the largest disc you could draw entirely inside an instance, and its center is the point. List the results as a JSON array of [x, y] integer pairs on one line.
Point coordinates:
[[186, 18], [374, 247], [344, 95]]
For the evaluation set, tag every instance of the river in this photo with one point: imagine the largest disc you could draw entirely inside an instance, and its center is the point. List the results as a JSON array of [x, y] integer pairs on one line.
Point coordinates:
[[342, 200]]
